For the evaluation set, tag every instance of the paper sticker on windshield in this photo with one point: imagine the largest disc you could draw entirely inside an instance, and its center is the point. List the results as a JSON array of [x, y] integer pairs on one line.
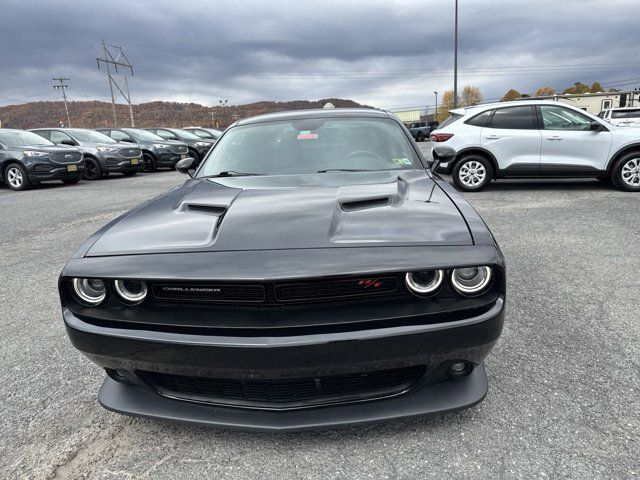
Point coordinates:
[[307, 135], [401, 161]]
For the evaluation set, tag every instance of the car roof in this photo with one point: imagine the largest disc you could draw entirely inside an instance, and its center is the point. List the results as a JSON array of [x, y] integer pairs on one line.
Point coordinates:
[[488, 106], [623, 108], [314, 113]]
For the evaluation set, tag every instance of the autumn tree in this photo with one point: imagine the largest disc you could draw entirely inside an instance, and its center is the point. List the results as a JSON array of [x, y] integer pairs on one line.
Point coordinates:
[[511, 95], [578, 87], [470, 96], [445, 105], [545, 92], [596, 87]]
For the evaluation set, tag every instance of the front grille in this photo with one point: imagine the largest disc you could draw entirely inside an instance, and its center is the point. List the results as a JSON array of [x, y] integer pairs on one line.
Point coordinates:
[[286, 393], [66, 157], [335, 289], [130, 152], [179, 149], [274, 294], [210, 293]]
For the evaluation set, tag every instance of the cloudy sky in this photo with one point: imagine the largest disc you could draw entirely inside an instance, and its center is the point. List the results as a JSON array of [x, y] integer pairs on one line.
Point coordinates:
[[382, 53]]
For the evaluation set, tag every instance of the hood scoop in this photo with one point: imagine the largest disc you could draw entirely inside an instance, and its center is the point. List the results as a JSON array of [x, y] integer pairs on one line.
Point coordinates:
[[365, 203], [205, 209]]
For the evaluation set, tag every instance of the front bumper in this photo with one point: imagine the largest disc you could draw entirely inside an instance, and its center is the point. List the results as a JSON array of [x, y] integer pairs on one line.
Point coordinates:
[[117, 164], [45, 171], [168, 158], [432, 346]]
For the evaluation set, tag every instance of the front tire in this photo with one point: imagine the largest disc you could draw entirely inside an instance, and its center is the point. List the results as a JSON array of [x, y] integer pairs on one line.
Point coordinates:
[[92, 170], [148, 163], [193, 153], [625, 174], [472, 173], [17, 178]]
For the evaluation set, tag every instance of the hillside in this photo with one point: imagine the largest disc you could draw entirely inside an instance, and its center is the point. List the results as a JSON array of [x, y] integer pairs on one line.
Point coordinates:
[[91, 114]]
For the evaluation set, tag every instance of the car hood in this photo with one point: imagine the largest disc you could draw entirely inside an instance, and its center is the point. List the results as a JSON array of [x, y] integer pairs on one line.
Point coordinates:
[[329, 210], [47, 148]]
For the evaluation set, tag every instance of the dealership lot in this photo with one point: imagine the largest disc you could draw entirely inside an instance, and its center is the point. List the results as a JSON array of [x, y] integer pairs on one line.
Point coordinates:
[[564, 378]]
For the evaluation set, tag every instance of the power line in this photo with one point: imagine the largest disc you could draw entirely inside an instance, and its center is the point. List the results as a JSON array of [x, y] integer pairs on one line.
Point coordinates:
[[62, 86], [115, 61]]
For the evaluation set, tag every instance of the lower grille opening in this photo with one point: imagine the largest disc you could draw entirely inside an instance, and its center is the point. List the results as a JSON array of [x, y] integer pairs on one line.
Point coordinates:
[[286, 393]]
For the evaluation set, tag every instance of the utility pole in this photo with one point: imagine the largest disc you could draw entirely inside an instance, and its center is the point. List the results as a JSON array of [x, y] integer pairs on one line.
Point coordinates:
[[114, 57], [435, 115], [455, 61], [223, 104], [63, 87]]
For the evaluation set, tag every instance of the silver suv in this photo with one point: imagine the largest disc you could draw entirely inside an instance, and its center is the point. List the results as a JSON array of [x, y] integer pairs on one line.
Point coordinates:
[[533, 139]]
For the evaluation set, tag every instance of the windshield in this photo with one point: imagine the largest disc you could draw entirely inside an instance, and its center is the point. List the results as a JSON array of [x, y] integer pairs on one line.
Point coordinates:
[[186, 134], [89, 136], [22, 139], [625, 113], [312, 146], [144, 135]]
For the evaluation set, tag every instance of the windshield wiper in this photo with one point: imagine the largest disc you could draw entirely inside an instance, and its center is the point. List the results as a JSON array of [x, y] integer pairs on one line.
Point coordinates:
[[343, 170], [232, 173]]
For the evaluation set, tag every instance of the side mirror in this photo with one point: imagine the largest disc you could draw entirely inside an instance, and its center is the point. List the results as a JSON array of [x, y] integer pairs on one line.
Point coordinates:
[[595, 126], [442, 154], [69, 142], [186, 165]]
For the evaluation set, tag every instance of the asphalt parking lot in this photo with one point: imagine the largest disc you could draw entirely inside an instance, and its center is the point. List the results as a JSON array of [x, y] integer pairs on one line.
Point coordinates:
[[564, 378]]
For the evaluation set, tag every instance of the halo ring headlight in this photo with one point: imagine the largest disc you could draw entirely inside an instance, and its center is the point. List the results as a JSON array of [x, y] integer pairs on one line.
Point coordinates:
[[90, 291], [471, 280], [424, 286], [132, 291]]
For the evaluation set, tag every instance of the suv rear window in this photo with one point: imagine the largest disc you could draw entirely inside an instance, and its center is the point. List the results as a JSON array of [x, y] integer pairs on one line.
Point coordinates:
[[515, 118], [625, 113], [480, 120], [452, 118]]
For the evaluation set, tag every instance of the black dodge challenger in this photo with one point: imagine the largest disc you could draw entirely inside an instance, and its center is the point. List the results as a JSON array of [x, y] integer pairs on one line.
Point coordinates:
[[312, 272]]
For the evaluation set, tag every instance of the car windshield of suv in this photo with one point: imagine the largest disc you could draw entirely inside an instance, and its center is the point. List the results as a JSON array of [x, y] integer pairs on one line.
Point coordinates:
[[89, 136], [186, 134], [625, 113], [22, 139], [144, 135], [311, 146]]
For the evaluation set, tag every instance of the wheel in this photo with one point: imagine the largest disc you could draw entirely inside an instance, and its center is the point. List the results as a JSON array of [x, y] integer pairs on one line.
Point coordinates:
[[196, 156], [92, 170], [16, 177], [420, 137], [70, 181], [472, 173], [129, 173], [625, 174], [148, 163]]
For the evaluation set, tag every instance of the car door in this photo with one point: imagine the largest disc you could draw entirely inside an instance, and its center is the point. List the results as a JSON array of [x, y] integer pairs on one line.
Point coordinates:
[[61, 138], [570, 147], [512, 136]]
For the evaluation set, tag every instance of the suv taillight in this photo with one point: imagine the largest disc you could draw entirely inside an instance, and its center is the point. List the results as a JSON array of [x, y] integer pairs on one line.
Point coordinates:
[[440, 137]]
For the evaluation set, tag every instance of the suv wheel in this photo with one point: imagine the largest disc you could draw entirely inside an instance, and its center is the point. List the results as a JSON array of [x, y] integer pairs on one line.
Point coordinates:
[[16, 177], [148, 163], [420, 137], [92, 170], [472, 173], [626, 173]]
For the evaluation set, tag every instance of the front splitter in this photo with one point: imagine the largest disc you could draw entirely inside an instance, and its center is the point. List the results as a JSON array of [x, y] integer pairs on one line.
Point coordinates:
[[442, 397]]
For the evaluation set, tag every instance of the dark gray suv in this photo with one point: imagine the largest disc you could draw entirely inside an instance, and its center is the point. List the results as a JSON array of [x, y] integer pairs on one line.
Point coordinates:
[[102, 155], [156, 151], [198, 147]]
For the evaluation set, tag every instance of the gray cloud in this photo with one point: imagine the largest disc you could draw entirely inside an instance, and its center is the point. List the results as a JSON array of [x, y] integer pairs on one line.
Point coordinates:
[[383, 53]]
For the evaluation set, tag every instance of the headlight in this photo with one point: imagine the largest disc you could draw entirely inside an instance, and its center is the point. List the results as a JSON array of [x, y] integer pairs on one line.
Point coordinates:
[[471, 280], [424, 282], [132, 291], [107, 149], [161, 145], [203, 144], [31, 153], [90, 291]]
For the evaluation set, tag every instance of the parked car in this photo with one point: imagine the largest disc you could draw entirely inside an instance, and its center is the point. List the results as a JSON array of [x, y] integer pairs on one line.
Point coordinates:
[[622, 117], [421, 130], [26, 160], [198, 147], [205, 133], [534, 139], [102, 155], [156, 151], [312, 272]]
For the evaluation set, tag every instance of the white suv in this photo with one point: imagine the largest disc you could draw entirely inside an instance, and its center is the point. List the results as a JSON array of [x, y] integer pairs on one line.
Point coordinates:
[[622, 116], [532, 139]]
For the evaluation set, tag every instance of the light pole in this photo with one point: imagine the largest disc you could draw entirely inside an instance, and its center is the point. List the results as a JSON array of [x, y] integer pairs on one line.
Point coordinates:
[[435, 115], [223, 104], [455, 60]]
